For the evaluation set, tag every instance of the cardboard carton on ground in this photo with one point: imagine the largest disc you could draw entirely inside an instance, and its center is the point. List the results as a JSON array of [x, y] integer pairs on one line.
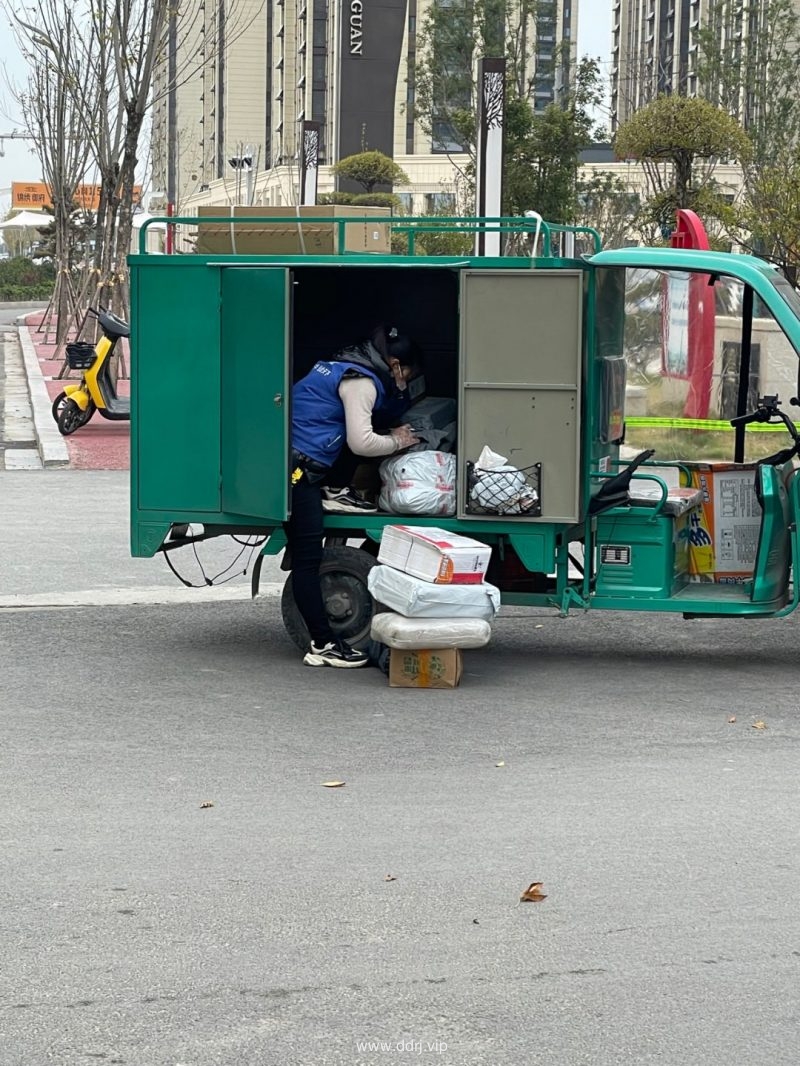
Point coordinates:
[[425, 669], [293, 234], [434, 554], [723, 534]]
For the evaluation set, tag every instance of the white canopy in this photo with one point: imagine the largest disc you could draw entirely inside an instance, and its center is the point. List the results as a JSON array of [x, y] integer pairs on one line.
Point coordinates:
[[27, 220], [142, 216]]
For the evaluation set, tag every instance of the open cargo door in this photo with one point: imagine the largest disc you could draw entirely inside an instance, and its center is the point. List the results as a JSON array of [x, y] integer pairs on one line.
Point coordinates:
[[521, 355], [255, 347]]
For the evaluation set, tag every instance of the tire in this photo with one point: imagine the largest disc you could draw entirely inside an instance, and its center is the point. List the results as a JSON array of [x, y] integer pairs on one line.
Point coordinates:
[[350, 606], [69, 416], [58, 403]]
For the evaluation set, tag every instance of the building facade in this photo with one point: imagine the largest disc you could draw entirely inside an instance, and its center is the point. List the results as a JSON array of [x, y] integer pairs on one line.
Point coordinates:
[[238, 77], [655, 48]]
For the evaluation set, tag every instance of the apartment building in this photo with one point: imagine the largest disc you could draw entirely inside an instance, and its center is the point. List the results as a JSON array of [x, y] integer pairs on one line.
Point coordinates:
[[237, 77], [655, 49]]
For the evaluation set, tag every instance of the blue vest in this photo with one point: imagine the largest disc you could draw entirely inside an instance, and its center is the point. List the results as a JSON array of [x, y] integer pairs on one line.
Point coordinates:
[[318, 423]]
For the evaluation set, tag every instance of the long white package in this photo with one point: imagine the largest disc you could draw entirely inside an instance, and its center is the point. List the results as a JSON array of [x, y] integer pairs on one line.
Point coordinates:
[[428, 634], [415, 598]]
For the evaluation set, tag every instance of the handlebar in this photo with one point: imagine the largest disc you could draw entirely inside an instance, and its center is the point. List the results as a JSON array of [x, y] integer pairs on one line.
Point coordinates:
[[767, 410]]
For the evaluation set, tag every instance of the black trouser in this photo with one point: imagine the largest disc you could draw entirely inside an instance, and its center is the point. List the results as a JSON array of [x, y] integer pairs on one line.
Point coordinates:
[[305, 535]]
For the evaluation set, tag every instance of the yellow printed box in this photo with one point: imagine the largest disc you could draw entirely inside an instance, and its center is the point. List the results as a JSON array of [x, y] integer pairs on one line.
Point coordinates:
[[723, 533]]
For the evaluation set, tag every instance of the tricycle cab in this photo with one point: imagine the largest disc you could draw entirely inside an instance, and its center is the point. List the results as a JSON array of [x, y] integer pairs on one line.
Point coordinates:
[[546, 358]]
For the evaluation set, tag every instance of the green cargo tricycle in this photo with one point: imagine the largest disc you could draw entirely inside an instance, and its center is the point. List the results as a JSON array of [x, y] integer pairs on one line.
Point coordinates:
[[641, 386]]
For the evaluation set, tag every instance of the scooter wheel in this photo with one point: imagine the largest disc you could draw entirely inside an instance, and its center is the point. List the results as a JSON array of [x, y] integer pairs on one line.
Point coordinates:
[[71, 417], [58, 405]]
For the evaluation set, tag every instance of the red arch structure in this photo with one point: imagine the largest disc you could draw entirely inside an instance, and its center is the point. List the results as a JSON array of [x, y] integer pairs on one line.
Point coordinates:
[[691, 233]]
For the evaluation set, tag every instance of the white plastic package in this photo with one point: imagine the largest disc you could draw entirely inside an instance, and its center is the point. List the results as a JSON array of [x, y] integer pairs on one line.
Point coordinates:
[[419, 483], [416, 598], [415, 634], [489, 460], [503, 490]]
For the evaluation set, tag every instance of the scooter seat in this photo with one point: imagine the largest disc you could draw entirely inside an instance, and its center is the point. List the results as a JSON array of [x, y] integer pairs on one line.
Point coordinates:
[[113, 326]]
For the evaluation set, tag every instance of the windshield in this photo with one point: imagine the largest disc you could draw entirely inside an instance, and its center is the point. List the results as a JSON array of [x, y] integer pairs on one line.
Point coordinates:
[[788, 293], [686, 372]]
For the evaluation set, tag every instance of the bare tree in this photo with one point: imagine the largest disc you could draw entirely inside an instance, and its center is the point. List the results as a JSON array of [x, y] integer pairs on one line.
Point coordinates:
[[49, 111], [117, 46]]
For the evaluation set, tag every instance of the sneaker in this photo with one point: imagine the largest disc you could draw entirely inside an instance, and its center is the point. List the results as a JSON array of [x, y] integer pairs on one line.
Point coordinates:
[[346, 500], [335, 653]]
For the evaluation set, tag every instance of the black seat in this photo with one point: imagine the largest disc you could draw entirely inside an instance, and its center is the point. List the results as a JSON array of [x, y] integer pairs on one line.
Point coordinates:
[[113, 326], [614, 490]]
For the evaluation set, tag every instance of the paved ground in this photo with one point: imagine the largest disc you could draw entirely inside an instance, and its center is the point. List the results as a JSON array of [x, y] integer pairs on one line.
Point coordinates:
[[180, 889], [140, 927], [18, 449]]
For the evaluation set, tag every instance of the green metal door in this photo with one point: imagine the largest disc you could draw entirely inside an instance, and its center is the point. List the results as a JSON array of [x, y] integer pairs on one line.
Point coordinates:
[[521, 372], [255, 351]]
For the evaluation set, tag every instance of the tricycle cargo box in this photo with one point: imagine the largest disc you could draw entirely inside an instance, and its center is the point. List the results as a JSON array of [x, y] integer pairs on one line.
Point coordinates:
[[299, 235]]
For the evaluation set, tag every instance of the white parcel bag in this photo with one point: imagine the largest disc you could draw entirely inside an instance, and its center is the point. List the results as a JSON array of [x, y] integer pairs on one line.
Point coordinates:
[[415, 598], [429, 634], [419, 483]]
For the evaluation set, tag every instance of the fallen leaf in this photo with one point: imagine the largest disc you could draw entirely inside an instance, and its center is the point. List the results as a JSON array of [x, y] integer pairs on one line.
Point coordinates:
[[759, 724], [333, 784], [499, 764], [533, 893], [475, 921], [540, 626], [390, 877], [732, 719], [205, 804]]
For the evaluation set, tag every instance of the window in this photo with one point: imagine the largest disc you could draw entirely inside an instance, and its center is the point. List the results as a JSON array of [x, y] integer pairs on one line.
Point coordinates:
[[439, 203], [444, 138]]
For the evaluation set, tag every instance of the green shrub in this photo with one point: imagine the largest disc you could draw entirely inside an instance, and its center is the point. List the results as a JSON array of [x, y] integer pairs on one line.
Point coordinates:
[[21, 279]]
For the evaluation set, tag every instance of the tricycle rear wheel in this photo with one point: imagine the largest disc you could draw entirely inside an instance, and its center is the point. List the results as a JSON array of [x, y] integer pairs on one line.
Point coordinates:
[[350, 607]]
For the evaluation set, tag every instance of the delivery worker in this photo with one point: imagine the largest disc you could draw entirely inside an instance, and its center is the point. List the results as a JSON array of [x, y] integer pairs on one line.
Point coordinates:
[[333, 408]]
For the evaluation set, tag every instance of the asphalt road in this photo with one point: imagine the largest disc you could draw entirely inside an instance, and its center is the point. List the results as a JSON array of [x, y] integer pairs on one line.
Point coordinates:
[[140, 927]]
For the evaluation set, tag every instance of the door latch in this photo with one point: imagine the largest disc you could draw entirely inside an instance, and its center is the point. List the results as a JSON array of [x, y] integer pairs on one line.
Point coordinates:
[[278, 399]]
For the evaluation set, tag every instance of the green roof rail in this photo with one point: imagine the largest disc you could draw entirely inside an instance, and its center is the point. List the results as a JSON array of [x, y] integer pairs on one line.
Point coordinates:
[[412, 225]]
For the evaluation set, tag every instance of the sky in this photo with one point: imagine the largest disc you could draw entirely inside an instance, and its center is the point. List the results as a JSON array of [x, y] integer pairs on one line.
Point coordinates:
[[19, 164]]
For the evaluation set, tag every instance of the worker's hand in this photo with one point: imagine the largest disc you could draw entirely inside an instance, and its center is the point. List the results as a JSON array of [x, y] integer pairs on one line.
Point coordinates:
[[403, 437], [397, 374]]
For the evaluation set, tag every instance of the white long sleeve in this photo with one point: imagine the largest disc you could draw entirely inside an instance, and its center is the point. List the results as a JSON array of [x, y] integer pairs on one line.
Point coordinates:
[[358, 396]]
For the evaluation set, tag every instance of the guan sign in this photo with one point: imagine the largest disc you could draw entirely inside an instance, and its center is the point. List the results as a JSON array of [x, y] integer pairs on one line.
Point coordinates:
[[356, 27]]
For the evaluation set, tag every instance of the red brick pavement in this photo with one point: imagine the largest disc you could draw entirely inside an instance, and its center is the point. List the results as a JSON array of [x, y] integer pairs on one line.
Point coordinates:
[[99, 445]]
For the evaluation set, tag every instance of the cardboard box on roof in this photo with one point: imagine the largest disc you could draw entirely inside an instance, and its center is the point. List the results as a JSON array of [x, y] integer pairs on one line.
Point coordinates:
[[297, 235], [425, 669]]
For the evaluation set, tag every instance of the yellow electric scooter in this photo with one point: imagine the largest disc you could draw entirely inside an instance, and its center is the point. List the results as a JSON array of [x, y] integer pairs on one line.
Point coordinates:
[[73, 407]]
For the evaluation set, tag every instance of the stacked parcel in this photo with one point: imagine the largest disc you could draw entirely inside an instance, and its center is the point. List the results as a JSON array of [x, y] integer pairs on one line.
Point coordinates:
[[433, 583]]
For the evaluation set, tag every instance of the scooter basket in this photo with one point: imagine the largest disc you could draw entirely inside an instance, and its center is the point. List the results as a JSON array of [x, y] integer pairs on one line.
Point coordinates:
[[80, 355], [507, 491]]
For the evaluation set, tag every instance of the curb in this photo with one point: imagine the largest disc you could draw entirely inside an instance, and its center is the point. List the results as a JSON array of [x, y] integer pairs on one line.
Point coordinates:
[[52, 447]]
